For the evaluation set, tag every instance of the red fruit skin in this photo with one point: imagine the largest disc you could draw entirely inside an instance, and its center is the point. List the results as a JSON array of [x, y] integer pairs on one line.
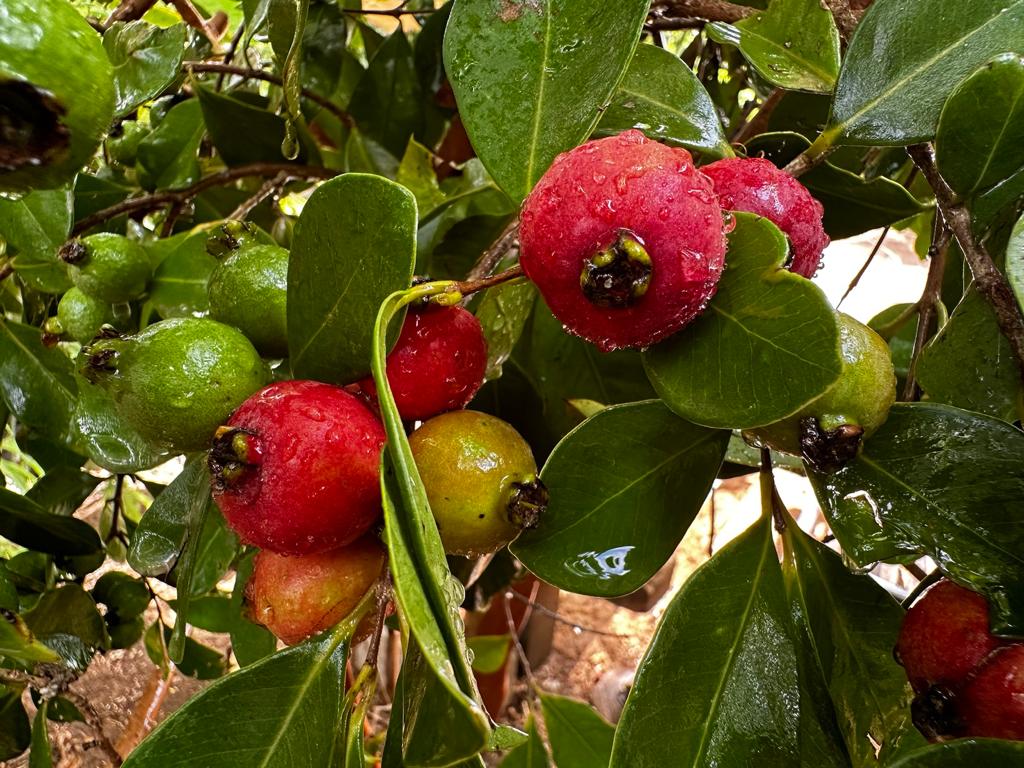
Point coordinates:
[[296, 597], [992, 703], [756, 186], [944, 636], [438, 363], [315, 485], [624, 182]]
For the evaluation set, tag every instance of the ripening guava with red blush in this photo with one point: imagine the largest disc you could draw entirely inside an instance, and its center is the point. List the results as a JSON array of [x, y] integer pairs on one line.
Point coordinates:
[[298, 596], [756, 186], [625, 240], [991, 704], [296, 469], [438, 363]]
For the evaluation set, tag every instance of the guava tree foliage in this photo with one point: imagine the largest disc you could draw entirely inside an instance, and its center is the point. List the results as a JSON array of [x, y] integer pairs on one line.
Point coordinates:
[[344, 150]]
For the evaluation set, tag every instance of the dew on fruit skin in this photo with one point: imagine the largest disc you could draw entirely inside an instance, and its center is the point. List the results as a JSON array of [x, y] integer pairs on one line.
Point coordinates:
[[664, 213], [600, 178]]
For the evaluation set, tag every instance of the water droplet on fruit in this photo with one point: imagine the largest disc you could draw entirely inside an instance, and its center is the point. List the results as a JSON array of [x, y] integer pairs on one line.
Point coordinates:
[[599, 178], [663, 213], [728, 222]]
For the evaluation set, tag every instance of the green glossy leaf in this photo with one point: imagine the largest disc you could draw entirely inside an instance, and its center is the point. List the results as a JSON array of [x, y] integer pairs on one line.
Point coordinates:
[[40, 756], [490, 652], [965, 753], [34, 226], [853, 204], [565, 59], [216, 549], [944, 482], [743, 453], [721, 681], [264, 130], [101, 432], [1015, 261], [123, 595], [895, 80], [178, 287], [250, 642], [969, 363], [68, 610], [852, 625], [280, 712], [161, 534], [662, 97], [62, 490], [36, 382], [794, 44], [17, 642], [386, 102], [579, 737], [197, 661], [353, 245], [15, 730], [980, 139], [900, 340], [146, 59], [624, 487], [503, 312], [766, 345], [169, 156], [25, 522], [529, 755], [416, 173]]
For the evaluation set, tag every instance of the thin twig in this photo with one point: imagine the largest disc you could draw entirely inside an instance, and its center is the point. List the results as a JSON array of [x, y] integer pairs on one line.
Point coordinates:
[[926, 305], [709, 10], [115, 507], [6, 270], [191, 16], [860, 273], [259, 74], [808, 160], [128, 10], [468, 287], [393, 12], [990, 282], [846, 20], [270, 187], [383, 600], [146, 203], [230, 55], [514, 632], [489, 259], [556, 616], [758, 123]]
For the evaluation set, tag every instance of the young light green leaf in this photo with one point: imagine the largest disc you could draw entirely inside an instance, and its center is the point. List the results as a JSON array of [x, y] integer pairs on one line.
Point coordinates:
[[944, 482], [146, 60], [580, 738], [18, 644], [490, 652], [662, 97], [277, 713], [564, 57], [354, 244], [895, 80], [624, 487], [794, 44], [766, 345]]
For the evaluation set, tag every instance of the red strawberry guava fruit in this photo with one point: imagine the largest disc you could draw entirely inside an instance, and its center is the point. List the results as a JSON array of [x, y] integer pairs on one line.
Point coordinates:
[[625, 240], [296, 469], [991, 704], [756, 186]]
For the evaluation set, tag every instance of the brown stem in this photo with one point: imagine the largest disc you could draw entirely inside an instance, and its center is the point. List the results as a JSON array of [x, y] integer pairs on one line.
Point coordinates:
[[557, 617], [926, 314], [128, 10], [846, 20], [860, 273], [395, 12], [259, 74], [270, 187], [467, 287], [990, 282], [144, 714], [758, 123], [489, 259], [173, 196], [806, 161], [709, 10], [191, 16], [6, 270], [383, 600]]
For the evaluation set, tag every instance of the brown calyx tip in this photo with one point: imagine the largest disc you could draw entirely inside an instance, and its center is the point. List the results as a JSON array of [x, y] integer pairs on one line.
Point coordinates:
[[73, 252], [234, 452], [99, 363], [31, 129], [229, 238], [935, 713], [527, 502], [828, 450], [617, 276]]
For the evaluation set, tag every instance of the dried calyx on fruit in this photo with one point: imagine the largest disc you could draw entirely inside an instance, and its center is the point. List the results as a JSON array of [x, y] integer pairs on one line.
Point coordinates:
[[107, 267], [756, 186], [438, 363], [625, 240], [968, 681], [481, 481], [296, 468]]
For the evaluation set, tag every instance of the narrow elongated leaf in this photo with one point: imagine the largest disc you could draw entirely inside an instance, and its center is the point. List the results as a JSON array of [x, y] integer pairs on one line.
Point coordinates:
[[662, 97], [721, 681], [964, 753], [40, 756], [794, 44], [980, 139], [580, 738], [161, 534], [280, 712], [34, 226], [25, 522], [169, 156], [944, 482], [852, 625], [563, 59], [36, 382], [18, 643], [146, 60], [895, 80], [354, 244], [766, 345], [624, 487]]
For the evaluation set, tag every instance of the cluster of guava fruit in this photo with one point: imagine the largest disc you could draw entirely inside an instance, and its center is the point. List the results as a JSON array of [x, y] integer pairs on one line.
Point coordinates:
[[968, 681], [626, 239]]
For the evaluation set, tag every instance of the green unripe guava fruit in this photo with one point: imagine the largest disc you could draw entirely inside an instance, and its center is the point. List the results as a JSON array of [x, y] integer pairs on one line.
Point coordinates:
[[248, 290], [179, 379], [56, 93], [81, 316], [108, 267]]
